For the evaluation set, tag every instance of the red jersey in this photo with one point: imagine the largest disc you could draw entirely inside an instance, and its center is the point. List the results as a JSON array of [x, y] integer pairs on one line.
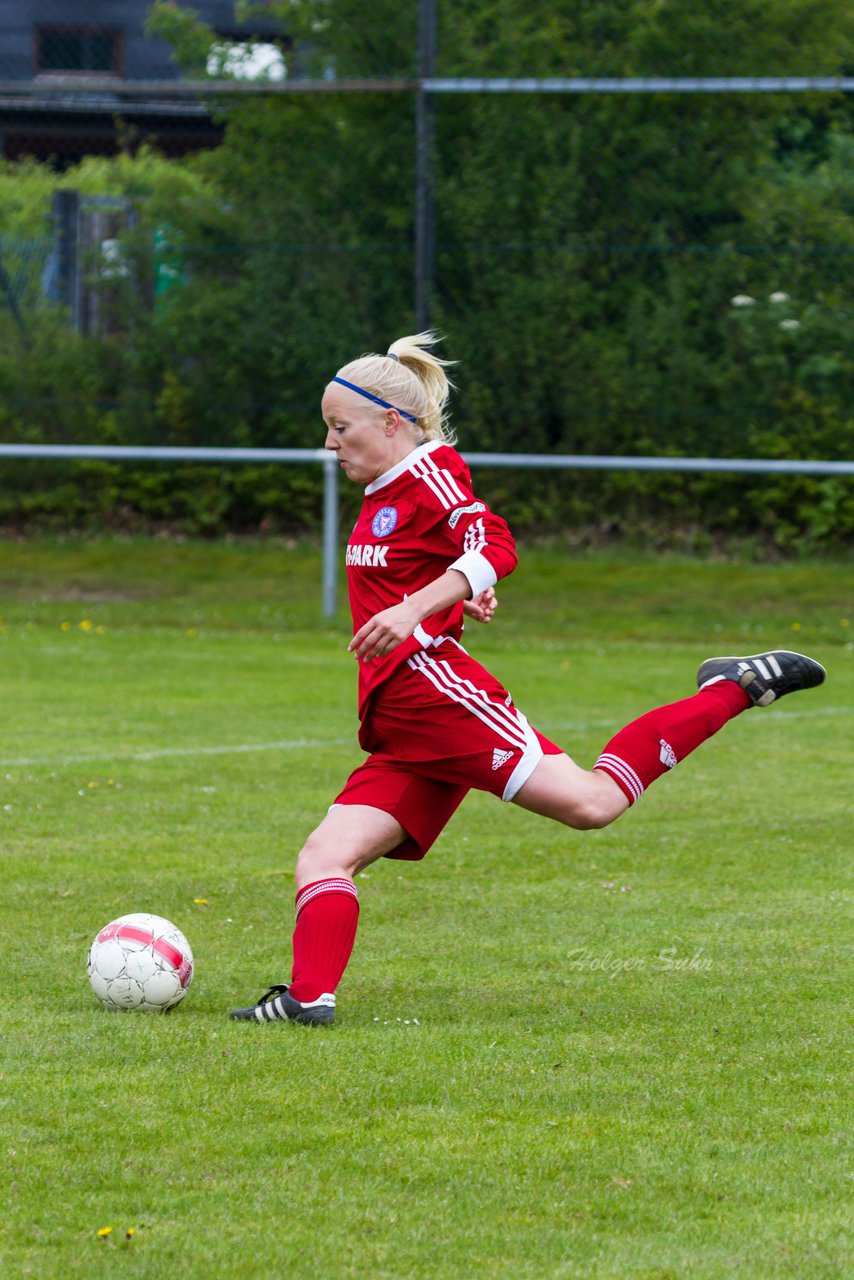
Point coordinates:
[[418, 520]]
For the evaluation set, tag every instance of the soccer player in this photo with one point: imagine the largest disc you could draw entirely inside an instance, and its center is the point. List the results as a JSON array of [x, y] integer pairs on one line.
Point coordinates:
[[424, 553]]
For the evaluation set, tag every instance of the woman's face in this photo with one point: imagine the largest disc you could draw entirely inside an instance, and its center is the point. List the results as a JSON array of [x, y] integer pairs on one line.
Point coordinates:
[[366, 441]]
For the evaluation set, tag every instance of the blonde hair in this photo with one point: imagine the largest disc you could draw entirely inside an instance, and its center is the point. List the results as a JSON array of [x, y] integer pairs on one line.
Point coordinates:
[[411, 378]]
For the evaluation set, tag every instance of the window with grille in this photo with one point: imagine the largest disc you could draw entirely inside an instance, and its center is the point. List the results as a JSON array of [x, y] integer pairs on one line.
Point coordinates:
[[80, 50]]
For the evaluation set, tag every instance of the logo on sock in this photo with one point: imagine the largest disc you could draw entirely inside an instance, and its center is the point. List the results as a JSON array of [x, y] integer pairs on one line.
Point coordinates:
[[501, 757], [667, 755]]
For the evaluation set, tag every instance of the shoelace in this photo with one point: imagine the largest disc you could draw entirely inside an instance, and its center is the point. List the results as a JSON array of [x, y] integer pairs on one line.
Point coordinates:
[[277, 990]]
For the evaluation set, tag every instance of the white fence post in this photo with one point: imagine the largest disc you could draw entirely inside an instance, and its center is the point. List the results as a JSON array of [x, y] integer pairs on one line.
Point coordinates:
[[330, 533]]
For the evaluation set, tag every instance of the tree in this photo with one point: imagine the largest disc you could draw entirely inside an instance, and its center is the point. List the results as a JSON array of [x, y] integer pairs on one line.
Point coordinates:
[[589, 247]]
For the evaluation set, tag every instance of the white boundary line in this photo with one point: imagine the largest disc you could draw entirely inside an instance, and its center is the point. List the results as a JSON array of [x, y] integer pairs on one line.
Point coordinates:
[[164, 753], [317, 744]]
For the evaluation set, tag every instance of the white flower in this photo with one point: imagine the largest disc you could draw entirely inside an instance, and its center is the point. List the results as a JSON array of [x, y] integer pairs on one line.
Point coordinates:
[[742, 300], [779, 296], [790, 324]]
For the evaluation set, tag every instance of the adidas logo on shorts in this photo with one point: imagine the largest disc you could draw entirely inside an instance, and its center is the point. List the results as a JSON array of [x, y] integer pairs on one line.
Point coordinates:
[[500, 757]]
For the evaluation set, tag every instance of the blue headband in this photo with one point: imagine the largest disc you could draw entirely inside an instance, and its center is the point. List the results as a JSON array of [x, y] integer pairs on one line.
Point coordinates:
[[370, 396]]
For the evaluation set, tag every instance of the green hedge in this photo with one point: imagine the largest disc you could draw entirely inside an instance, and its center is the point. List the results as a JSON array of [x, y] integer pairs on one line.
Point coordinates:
[[697, 512], [642, 274]]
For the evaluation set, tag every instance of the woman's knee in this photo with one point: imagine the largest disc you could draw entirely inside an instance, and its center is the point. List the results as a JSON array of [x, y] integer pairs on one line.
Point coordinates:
[[578, 798], [349, 839], [318, 860], [590, 812]]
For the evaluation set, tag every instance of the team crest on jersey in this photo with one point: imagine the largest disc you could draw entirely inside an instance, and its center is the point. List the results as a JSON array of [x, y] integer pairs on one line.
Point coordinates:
[[384, 522]]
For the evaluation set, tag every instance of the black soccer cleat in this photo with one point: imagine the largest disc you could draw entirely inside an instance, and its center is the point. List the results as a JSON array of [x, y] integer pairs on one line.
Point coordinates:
[[278, 1005], [765, 677]]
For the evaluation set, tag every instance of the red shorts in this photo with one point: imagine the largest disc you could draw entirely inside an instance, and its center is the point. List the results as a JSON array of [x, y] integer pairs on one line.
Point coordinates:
[[440, 726]]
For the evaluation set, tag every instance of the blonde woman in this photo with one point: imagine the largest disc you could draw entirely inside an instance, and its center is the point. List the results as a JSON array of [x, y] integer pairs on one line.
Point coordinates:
[[424, 553]]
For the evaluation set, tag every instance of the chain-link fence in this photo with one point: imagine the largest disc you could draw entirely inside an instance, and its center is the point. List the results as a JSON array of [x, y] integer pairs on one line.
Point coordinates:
[[622, 263]]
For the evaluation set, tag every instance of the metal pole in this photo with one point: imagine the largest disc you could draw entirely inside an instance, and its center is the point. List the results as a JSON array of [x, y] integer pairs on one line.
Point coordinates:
[[12, 303], [562, 461], [424, 232], [66, 219], [90, 95], [330, 533]]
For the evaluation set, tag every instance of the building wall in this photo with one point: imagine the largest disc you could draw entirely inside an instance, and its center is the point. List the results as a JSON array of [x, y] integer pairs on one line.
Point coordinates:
[[143, 59]]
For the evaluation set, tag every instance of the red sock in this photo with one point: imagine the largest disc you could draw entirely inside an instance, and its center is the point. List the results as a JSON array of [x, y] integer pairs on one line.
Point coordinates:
[[648, 747], [327, 915]]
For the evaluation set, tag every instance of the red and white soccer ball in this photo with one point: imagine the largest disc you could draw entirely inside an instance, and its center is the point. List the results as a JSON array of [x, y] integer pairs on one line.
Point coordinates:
[[140, 962]]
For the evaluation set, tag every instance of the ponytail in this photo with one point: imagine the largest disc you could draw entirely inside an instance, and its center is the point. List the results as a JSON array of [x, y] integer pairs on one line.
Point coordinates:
[[412, 379]]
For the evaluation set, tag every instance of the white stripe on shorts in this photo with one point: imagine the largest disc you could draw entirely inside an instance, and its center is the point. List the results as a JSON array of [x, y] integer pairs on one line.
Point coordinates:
[[512, 719], [499, 719]]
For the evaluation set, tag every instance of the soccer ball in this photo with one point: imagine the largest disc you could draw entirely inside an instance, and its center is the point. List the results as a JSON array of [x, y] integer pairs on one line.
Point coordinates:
[[140, 962]]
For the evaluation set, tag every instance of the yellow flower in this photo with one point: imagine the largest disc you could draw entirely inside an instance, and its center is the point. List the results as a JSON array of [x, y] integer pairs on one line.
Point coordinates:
[[130, 1233], [200, 902], [65, 626], [796, 626], [104, 1232], [85, 625]]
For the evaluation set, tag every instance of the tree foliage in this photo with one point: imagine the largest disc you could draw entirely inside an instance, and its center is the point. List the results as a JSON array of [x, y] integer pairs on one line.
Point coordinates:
[[589, 249]]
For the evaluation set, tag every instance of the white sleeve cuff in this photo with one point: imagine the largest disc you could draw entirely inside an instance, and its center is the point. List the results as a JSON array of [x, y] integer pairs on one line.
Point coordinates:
[[477, 569]]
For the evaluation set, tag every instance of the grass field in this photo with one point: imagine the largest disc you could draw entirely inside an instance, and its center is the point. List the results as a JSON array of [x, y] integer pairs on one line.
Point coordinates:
[[612, 1055]]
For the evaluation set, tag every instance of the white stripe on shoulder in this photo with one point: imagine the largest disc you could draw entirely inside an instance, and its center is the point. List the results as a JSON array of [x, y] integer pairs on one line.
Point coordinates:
[[447, 479], [433, 482]]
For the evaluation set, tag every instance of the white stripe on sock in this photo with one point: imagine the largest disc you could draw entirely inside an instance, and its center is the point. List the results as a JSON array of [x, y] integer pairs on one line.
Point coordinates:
[[620, 770], [312, 891]]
